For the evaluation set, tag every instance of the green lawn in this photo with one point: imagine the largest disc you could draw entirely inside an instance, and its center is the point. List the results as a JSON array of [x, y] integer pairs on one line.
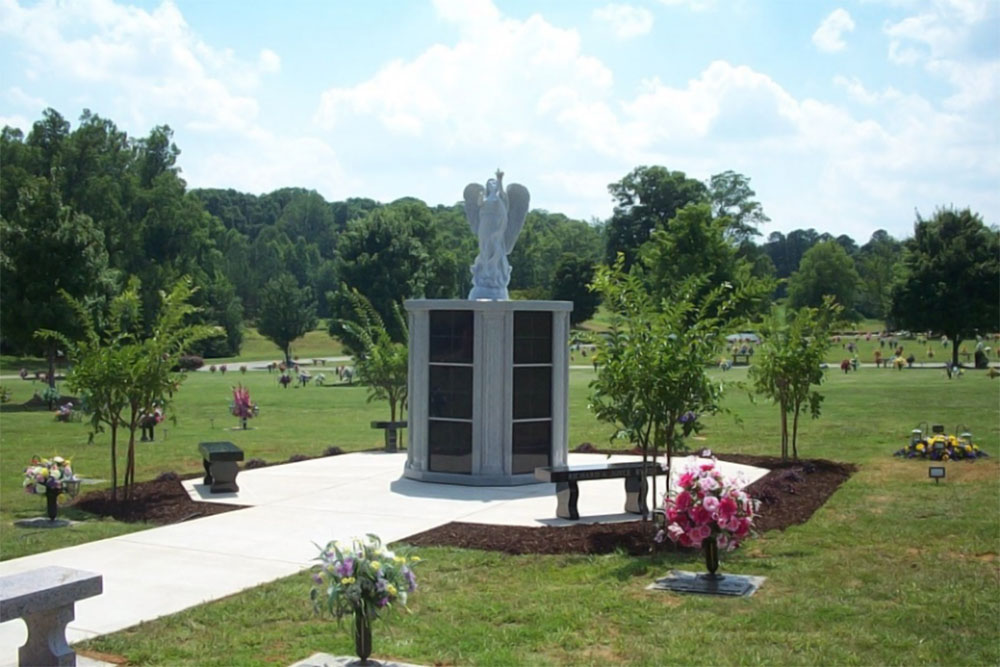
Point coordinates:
[[892, 570]]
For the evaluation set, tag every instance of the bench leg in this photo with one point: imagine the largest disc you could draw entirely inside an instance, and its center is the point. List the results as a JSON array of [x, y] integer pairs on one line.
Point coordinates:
[[567, 494], [636, 490], [46, 643], [223, 474], [208, 472]]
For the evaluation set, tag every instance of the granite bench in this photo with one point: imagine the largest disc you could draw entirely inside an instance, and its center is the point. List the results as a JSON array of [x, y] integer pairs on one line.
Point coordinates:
[[391, 429], [566, 479], [44, 599], [220, 465]]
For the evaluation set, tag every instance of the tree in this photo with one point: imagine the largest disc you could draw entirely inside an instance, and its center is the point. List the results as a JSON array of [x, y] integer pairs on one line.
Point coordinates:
[[651, 382], [645, 198], [381, 257], [825, 270], [950, 277], [693, 243], [571, 283], [285, 312], [382, 365], [788, 362], [732, 197], [48, 248], [123, 377], [877, 262]]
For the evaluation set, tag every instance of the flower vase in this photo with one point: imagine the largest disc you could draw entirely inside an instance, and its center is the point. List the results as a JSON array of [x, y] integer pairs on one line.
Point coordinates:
[[711, 548], [362, 636], [51, 502]]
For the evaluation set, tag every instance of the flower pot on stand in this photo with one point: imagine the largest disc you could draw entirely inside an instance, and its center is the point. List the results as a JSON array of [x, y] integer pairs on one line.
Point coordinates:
[[51, 503], [710, 547], [362, 636]]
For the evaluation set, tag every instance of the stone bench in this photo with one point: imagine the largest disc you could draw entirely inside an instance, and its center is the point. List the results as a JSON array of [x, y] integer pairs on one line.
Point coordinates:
[[566, 479], [220, 465], [390, 429], [44, 599]]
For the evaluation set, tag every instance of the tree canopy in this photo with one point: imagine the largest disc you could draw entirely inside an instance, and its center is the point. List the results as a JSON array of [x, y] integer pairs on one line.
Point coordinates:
[[950, 277], [826, 270]]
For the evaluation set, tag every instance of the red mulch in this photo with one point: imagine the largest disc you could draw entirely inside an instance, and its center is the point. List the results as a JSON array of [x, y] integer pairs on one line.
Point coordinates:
[[789, 495]]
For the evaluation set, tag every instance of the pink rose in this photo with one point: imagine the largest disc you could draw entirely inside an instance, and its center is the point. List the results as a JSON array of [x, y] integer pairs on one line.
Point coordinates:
[[711, 504], [743, 527], [707, 466], [727, 507], [700, 533], [683, 500], [674, 532], [685, 480], [700, 515], [708, 484]]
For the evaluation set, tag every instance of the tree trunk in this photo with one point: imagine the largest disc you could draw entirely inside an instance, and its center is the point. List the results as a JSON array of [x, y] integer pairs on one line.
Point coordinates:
[[114, 462], [288, 357], [50, 352], [795, 433], [784, 433], [954, 350]]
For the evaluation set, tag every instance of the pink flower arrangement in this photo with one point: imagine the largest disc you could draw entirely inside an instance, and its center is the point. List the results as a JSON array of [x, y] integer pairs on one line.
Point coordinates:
[[242, 406], [708, 505]]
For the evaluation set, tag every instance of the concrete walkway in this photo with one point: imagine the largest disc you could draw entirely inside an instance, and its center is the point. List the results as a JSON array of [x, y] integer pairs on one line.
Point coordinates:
[[164, 570]]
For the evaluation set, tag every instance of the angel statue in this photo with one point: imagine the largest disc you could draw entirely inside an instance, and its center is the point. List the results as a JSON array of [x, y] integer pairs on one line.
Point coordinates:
[[496, 217]]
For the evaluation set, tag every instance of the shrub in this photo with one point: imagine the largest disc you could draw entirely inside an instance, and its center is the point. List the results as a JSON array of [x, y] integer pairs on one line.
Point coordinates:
[[190, 362], [212, 368], [333, 451], [254, 463], [295, 458], [168, 476]]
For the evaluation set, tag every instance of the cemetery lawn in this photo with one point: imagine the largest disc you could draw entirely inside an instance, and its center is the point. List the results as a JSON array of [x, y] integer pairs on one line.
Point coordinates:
[[893, 569]]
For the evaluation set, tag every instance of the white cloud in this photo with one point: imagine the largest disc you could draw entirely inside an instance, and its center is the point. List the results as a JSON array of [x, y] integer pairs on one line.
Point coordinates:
[[829, 35], [22, 99], [625, 21], [946, 40], [548, 113], [153, 60], [693, 5], [268, 61]]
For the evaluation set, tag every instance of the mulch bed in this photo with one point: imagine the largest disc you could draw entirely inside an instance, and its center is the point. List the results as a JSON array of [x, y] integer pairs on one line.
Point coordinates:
[[789, 495], [159, 502]]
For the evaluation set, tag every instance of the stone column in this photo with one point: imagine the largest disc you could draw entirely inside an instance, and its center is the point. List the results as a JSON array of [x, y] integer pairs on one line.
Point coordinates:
[[417, 379]]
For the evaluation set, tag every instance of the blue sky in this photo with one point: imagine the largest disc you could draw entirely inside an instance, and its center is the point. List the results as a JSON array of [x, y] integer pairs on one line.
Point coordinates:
[[846, 116]]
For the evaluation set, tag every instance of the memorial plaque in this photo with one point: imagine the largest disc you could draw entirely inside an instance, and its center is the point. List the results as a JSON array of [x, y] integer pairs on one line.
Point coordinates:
[[732, 585]]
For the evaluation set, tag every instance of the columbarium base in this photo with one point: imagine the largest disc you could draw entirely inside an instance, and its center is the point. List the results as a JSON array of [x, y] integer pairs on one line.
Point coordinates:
[[487, 390]]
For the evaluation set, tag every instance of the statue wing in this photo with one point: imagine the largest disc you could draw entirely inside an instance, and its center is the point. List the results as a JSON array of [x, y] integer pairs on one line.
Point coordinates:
[[473, 196], [517, 211]]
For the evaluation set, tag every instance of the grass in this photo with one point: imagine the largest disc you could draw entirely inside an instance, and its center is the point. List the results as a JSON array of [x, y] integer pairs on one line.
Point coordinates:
[[893, 569], [316, 343]]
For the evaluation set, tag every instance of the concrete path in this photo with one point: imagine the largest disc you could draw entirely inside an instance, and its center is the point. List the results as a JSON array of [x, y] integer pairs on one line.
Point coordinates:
[[164, 570]]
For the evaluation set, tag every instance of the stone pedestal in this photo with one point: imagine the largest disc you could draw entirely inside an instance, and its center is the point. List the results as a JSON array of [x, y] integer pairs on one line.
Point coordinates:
[[487, 390]]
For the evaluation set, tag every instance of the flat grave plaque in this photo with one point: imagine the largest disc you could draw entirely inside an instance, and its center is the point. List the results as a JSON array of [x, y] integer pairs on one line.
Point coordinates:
[[732, 585]]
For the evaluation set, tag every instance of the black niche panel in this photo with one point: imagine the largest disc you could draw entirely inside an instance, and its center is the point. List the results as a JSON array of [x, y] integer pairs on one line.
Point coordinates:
[[532, 392], [451, 335], [532, 446], [449, 446], [532, 337], [450, 394]]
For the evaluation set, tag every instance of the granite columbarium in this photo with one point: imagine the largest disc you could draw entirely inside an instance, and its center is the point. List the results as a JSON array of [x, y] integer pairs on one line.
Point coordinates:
[[488, 377]]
